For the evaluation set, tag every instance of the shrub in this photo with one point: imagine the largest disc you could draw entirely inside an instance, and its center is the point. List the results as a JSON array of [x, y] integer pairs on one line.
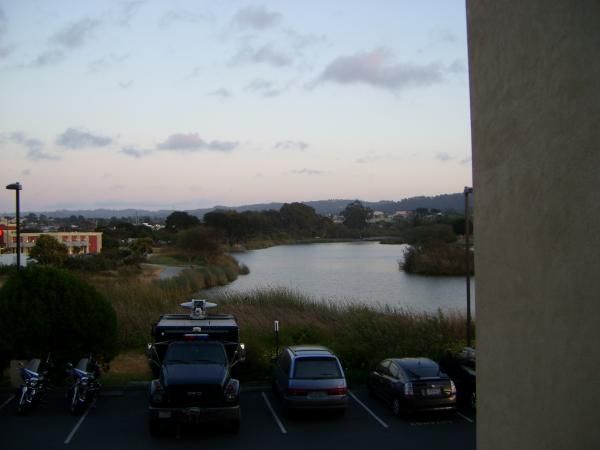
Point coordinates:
[[46, 310], [49, 251]]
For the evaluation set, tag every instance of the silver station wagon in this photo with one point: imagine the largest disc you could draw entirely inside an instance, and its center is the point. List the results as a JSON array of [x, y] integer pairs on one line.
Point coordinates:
[[310, 377]]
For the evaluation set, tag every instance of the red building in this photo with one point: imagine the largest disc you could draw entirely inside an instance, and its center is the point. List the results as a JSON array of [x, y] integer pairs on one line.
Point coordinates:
[[77, 243]]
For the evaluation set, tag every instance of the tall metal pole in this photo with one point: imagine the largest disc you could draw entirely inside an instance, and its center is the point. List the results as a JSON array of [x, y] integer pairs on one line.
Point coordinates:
[[468, 191], [17, 188], [18, 191]]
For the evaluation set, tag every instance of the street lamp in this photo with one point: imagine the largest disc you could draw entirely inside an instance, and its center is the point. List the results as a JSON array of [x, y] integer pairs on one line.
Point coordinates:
[[17, 188], [467, 191]]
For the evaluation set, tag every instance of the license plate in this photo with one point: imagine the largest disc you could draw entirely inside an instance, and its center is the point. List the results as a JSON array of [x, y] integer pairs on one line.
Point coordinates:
[[433, 391], [164, 414], [317, 394], [194, 412]]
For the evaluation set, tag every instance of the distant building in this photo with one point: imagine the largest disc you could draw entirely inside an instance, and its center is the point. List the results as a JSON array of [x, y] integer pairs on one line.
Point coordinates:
[[77, 243]]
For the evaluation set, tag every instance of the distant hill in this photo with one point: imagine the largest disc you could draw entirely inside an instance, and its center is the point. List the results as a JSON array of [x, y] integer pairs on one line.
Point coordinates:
[[444, 202]]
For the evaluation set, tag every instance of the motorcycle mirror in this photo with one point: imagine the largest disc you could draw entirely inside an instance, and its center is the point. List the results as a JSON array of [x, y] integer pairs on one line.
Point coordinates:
[[69, 366]]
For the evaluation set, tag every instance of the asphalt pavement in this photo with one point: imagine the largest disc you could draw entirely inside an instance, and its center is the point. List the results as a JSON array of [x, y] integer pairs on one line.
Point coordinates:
[[118, 420]]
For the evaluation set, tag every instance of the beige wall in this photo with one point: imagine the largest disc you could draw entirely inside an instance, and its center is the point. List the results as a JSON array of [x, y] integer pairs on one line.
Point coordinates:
[[535, 108]]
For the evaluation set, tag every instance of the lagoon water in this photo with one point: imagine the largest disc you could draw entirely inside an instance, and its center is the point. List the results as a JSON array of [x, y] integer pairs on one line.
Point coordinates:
[[355, 272]]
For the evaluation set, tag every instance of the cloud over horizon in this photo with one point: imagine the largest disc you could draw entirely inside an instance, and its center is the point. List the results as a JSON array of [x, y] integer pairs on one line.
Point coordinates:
[[262, 55], [35, 147], [256, 18], [191, 142], [78, 138], [307, 172], [75, 34], [291, 145], [377, 68]]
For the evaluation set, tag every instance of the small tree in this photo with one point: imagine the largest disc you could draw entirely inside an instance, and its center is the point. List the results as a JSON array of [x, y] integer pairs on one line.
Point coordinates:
[[199, 241], [47, 310], [180, 220], [356, 215], [49, 251]]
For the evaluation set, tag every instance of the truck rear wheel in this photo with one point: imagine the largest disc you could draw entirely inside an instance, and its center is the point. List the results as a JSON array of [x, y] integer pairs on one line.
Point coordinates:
[[154, 426], [234, 425]]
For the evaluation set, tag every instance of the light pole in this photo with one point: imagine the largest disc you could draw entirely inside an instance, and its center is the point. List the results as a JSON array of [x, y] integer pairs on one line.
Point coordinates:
[[17, 188], [468, 191]]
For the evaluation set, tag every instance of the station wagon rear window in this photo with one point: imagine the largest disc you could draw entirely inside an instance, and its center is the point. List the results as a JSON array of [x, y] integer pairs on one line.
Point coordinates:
[[317, 368]]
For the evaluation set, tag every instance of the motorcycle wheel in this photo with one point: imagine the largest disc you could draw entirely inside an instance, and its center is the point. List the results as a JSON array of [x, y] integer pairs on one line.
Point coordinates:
[[76, 405], [22, 406]]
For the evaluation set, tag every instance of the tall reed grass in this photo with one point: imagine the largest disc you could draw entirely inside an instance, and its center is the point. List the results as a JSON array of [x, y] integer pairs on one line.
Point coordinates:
[[361, 335]]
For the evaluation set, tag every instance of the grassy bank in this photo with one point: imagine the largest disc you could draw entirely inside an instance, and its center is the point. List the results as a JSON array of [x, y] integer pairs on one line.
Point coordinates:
[[361, 335], [437, 259], [139, 302]]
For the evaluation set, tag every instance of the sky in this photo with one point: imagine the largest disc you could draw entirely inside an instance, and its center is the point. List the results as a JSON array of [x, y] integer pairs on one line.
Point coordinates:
[[188, 104]]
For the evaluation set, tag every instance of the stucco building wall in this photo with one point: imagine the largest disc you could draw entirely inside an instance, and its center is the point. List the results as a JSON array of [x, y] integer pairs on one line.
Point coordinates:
[[535, 108]]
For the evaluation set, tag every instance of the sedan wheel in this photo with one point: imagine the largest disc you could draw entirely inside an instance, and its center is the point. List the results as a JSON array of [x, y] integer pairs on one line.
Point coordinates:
[[396, 407]]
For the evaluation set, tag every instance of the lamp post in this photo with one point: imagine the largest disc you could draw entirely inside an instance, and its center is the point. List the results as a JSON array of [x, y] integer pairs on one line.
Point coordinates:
[[468, 191], [17, 188]]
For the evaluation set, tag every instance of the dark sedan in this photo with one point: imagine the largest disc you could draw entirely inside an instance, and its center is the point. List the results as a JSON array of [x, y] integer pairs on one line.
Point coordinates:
[[412, 385]]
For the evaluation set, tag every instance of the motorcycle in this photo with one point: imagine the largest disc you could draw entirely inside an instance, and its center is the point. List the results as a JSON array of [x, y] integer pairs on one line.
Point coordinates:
[[34, 385], [84, 386]]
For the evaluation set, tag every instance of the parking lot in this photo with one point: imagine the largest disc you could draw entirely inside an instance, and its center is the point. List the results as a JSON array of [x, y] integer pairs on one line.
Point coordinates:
[[118, 421]]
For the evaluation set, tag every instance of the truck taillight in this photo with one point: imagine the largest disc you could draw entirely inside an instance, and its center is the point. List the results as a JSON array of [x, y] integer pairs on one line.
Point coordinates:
[[158, 392], [337, 391], [231, 389], [408, 390]]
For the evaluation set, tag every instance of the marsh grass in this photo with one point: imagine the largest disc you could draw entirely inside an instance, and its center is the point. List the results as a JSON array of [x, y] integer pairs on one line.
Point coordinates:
[[360, 334]]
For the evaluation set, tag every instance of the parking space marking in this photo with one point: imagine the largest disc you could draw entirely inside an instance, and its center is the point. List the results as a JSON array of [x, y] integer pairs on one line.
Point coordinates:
[[468, 419], [279, 423], [79, 422], [381, 422], [7, 401]]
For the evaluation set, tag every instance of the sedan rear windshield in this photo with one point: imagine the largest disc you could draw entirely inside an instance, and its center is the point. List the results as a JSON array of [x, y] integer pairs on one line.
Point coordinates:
[[317, 368]]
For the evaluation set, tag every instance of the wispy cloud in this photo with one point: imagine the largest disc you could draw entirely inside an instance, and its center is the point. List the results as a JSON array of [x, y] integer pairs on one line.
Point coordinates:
[[35, 147], [307, 172], [75, 34], [107, 62], [373, 157], [262, 55], [256, 18], [129, 11], [135, 152], [266, 88], [125, 84], [221, 92], [5, 50], [182, 16], [47, 58], [442, 35], [191, 142], [77, 138], [443, 157], [377, 68], [291, 145]]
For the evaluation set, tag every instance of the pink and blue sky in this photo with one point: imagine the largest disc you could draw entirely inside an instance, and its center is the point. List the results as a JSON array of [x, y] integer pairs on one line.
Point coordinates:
[[188, 104]]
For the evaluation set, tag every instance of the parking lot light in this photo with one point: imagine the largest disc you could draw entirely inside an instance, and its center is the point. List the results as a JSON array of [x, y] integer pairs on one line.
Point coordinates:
[[17, 187]]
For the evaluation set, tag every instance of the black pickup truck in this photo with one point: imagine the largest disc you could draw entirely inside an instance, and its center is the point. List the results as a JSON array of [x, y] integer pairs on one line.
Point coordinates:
[[192, 357]]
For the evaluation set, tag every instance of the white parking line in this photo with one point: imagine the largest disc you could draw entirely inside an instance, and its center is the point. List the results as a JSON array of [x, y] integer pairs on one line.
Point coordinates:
[[383, 424], [281, 427], [7, 401], [468, 419], [79, 422]]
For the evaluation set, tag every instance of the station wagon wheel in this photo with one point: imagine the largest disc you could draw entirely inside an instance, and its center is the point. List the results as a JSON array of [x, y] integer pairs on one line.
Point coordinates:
[[396, 407]]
